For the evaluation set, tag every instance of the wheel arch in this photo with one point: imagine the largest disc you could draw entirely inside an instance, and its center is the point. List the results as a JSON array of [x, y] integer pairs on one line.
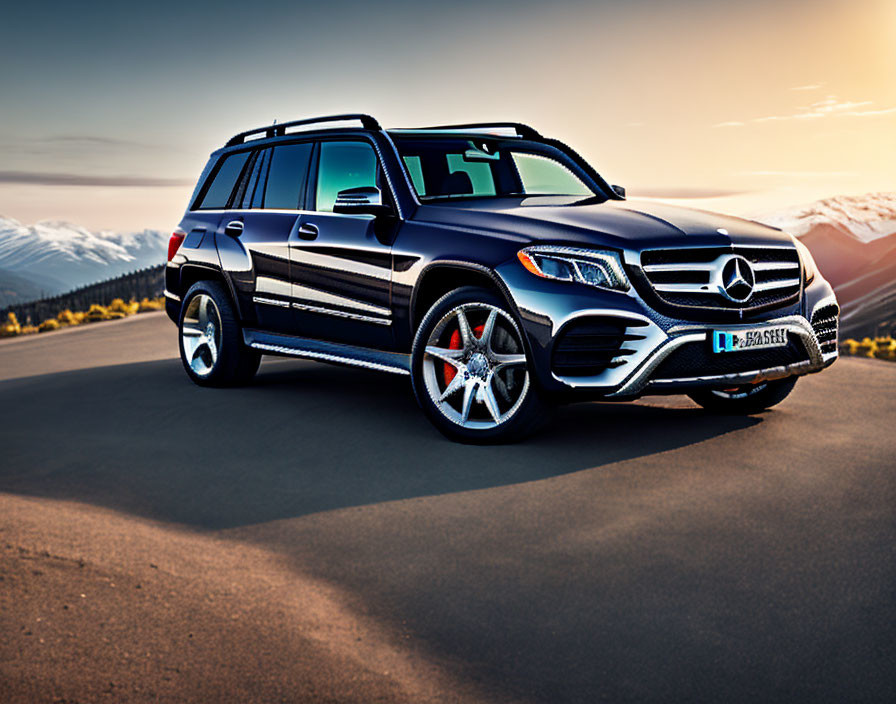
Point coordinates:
[[441, 277]]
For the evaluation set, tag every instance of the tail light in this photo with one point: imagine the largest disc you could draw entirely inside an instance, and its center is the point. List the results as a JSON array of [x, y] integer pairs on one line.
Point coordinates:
[[174, 243]]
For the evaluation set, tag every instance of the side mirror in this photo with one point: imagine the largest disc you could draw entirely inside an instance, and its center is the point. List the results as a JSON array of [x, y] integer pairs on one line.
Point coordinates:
[[619, 191], [366, 200]]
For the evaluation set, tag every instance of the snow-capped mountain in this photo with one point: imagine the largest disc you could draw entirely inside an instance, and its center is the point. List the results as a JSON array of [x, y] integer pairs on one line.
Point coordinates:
[[58, 256], [867, 217]]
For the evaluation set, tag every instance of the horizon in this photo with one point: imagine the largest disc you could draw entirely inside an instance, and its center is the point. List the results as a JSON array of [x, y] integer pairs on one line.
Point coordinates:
[[110, 113]]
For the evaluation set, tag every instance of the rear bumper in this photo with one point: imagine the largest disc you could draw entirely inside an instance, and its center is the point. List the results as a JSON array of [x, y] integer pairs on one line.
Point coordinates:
[[172, 306]]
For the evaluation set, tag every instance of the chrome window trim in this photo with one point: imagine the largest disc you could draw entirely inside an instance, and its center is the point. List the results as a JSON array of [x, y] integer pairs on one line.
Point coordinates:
[[172, 296]]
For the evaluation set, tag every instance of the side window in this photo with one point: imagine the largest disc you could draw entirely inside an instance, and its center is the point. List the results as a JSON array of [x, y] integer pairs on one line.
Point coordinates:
[[249, 183], [220, 189], [264, 161], [287, 176], [343, 165]]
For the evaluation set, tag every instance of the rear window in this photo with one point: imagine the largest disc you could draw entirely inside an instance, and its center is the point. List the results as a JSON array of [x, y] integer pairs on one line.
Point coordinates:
[[287, 177], [218, 192]]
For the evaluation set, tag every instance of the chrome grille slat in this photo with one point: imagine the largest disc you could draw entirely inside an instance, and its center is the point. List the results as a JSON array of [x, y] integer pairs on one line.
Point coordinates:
[[691, 277]]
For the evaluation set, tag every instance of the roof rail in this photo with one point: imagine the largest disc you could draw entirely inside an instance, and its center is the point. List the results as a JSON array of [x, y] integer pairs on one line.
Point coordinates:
[[278, 130], [522, 130]]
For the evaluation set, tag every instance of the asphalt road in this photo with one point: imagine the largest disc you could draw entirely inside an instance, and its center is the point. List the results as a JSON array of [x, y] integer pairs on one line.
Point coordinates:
[[312, 538]]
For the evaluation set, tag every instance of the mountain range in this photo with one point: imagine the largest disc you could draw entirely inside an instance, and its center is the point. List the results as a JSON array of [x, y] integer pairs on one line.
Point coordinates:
[[52, 257], [852, 238]]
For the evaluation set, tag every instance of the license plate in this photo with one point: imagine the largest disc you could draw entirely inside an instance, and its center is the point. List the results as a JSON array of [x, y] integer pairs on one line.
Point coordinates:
[[748, 339]]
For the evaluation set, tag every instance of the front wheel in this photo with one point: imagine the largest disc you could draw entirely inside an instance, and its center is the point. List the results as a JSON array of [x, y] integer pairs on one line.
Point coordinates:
[[746, 399], [471, 372]]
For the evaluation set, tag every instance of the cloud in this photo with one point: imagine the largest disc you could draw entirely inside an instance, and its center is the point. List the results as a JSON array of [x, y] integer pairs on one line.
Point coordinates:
[[45, 179], [810, 86], [831, 106], [676, 192], [801, 174]]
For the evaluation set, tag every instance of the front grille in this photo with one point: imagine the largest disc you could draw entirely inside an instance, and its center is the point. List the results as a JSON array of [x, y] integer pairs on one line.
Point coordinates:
[[688, 277], [697, 359], [589, 346], [824, 323]]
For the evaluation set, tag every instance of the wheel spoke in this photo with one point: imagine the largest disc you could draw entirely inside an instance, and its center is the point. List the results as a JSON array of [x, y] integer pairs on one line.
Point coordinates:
[[456, 383], [191, 331], [491, 403], [466, 333], [203, 311], [469, 395], [450, 356], [212, 349], [486, 337], [508, 360]]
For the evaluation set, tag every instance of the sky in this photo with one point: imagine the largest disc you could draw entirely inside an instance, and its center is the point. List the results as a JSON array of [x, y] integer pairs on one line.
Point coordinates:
[[108, 110]]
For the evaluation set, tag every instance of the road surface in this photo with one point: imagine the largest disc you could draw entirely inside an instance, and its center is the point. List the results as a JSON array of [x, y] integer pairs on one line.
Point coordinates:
[[312, 538]]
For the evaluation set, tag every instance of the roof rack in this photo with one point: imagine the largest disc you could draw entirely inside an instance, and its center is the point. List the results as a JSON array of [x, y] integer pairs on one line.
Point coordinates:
[[278, 130], [522, 130]]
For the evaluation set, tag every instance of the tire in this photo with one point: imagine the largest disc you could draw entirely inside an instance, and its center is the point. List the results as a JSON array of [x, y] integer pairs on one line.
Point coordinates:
[[475, 387], [211, 339], [744, 400]]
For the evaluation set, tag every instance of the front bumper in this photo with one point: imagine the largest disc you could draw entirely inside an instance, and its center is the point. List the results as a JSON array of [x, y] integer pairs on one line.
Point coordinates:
[[646, 364]]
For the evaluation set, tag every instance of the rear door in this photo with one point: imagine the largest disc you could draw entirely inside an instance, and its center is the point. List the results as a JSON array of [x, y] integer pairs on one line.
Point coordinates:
[[341, 265], [271, 200]]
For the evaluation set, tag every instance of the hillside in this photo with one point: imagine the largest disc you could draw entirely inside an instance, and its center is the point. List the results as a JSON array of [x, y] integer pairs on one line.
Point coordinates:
[[146, 283], [54, 257]]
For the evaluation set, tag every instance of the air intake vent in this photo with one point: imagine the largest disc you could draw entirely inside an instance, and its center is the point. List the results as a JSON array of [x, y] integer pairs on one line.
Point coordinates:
[[589, 346], [824, 323]]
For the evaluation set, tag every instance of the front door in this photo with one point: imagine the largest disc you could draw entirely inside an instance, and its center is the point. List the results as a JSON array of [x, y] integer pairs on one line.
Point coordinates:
[[341, 265]]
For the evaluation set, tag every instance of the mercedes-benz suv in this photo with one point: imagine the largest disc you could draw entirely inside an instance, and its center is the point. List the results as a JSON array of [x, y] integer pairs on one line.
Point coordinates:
[[492, 265]]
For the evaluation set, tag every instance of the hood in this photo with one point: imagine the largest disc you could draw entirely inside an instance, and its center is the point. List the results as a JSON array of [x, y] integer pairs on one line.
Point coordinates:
[[621, 224]]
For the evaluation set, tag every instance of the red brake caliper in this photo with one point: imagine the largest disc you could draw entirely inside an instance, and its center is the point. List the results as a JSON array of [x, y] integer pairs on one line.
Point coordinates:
[[455, 344]]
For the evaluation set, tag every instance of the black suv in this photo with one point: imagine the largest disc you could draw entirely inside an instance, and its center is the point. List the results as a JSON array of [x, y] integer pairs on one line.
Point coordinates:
[[492, 265]]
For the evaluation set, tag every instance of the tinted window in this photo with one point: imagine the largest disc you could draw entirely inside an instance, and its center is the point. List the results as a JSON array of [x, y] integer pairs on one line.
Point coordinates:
[[263, 162], [220, 189], [251, 182], [287, 177], [343, 165]]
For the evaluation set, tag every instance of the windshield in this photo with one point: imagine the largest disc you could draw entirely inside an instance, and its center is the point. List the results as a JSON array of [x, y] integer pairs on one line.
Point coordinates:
[[444, 168]]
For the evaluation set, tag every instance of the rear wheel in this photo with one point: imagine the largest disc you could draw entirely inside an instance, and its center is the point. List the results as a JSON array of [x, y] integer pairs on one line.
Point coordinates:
[[471, 372], [745, 399], [211, 340]]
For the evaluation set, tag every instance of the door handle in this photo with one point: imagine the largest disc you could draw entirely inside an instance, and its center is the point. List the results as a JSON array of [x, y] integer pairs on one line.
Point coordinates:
[[307, 231], [234, 228]]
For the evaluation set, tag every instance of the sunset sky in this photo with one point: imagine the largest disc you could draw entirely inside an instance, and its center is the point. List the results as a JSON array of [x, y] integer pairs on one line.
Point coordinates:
[[109, 110]]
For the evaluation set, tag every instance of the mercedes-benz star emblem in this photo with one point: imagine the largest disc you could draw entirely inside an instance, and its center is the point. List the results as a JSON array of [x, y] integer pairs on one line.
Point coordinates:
[[738, 279]]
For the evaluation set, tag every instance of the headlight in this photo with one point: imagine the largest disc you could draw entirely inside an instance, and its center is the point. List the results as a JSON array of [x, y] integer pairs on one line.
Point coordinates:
[[595, 267], [807, 260]]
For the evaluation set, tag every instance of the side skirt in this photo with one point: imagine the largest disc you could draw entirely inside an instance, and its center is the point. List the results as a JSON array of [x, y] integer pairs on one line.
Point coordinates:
[[273, 343]]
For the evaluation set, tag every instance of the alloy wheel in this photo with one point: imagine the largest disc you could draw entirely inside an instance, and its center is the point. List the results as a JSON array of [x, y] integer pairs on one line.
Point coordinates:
[[474, 366], [201, 334]]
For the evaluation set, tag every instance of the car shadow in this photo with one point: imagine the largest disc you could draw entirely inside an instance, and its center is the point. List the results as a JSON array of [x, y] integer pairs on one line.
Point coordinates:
[[304, 438]]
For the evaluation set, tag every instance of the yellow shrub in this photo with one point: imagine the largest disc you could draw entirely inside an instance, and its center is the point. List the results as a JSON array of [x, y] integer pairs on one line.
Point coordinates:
[[133, 307], [80, 316], [96, 312], [10, 326], [148, 304], [66, 317], [850, 346], [49, 324], [28, 329], [118, 306], [115, 315]]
